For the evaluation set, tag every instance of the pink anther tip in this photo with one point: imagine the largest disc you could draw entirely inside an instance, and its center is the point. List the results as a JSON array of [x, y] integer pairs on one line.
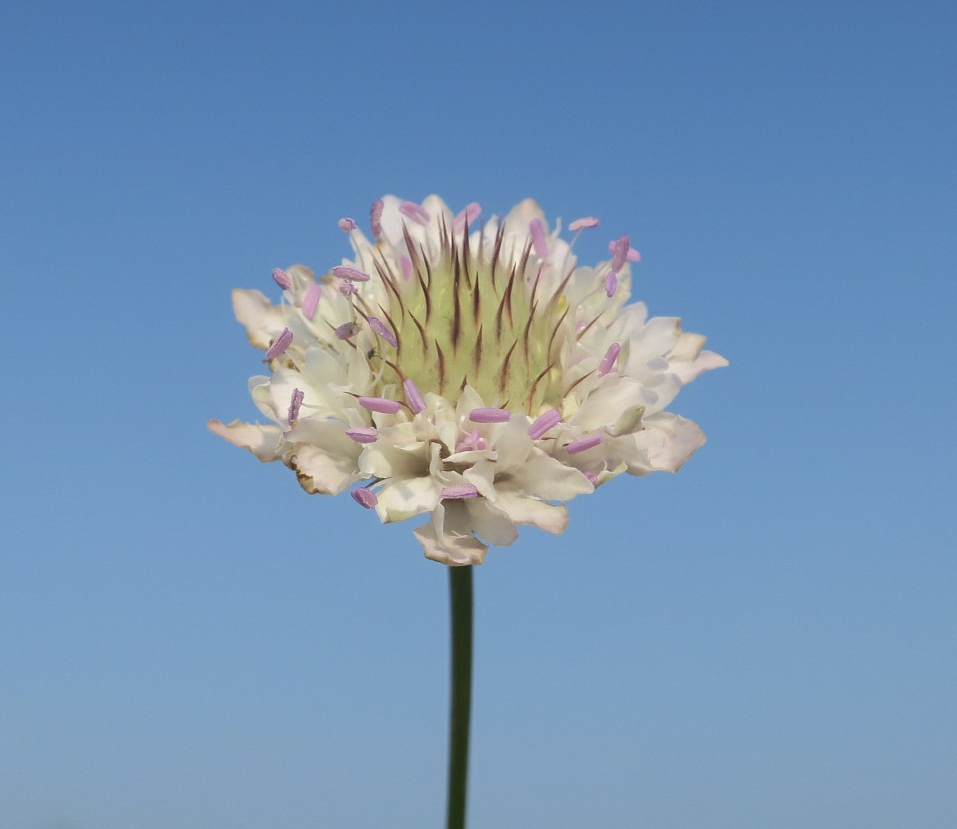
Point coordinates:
[[611, 284], [543, 423], [585, 221], [294, 405], [364, 497], [283, 341], [608, 361], [380, 404], [619, 253], [414, 211], [310, 300], [467, 214], [489, 415], [347, 331], [460, 491], [539, 242], [631, 256], [350, 274], [583, 444], [380, 328], [363, 434], [282, 279], [414, 397], [375, 217], [346, 224]]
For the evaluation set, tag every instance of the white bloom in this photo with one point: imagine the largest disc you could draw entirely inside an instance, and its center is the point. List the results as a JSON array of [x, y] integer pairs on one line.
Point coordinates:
[[477, 376]]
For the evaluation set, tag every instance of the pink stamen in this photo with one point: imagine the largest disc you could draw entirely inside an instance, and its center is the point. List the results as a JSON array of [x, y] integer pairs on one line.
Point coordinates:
[[379, 327], [619, 253], [460, 491], [347, 331], [489, 415], [375, 217], [363, 434], [631, 256], [468, 214], [585, 221], [472, 441], [283, 341], [380, 404], [346, 224], [539, 243], [310, 300], [414, 211], [583, 444], [611, 284], [282, 279], [543, 423], [592, 477], [294, 405], [364, 497], [608, 361], [347, 288], [414, 397], [350, 274]]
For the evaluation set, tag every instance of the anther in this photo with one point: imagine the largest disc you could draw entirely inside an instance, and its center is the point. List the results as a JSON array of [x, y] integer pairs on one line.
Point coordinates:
[[469, 214], [632, 255], [583, 444], [543, 423], [363, 434], [347, 330], [364, 497], [608, 361], [346, 224], [585, 221], [380, 404], [379, 327], [310, 300], [611, 284], [294, 405], [347, 288], [282, 279], [414, 211], [350, 274], [619, 253], [283, 341], [490, 415], [460, 491], [414, 397], [539, 242], [375, 217]]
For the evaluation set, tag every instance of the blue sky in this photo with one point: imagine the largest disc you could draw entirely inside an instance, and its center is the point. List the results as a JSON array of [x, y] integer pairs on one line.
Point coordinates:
[[767, 639]]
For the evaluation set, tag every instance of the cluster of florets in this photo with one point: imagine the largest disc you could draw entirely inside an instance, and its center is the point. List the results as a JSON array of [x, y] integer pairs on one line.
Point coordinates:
[[468, 371]]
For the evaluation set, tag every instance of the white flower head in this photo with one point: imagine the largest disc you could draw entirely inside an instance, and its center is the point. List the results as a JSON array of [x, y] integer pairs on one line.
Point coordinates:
[[469, 372]]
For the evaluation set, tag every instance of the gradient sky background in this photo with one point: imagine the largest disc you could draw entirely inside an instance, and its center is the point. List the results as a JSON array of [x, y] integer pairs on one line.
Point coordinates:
[[767, 639]]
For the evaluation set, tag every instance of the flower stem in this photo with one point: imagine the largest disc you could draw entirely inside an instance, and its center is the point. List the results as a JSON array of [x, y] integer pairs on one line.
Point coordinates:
[[460, 594]]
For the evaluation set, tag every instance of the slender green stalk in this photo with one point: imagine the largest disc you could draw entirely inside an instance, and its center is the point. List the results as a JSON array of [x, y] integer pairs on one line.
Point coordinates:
[[460, 594]]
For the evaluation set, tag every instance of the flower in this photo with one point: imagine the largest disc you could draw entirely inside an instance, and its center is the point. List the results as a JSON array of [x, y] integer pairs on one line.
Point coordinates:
[[477, 376]]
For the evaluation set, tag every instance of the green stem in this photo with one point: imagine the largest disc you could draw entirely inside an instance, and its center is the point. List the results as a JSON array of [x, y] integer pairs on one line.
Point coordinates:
[[460, 593]]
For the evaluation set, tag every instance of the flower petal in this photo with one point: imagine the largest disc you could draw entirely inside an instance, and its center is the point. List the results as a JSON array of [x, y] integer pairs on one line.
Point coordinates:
[[263, 441]]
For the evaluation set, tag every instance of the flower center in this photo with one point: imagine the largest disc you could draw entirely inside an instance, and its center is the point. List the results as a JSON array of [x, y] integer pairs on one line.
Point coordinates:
[[472, 317]]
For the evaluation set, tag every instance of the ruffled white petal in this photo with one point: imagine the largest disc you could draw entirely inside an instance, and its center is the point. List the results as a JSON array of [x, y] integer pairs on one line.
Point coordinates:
[[263, 441]]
